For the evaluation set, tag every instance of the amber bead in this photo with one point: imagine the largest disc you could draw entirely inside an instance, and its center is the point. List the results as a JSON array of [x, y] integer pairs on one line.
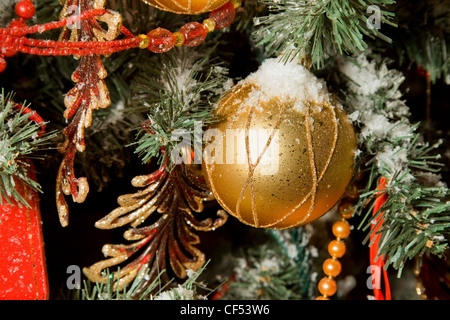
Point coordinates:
[[341, 229], [332, 267], [336, 248], [352, 191], [144, 42], [209, 24], [327, 286], [194, 33], [25, 9], [179, 37], [236, 3], [322, 298], [223, 16], [346, 209], [161, 40]]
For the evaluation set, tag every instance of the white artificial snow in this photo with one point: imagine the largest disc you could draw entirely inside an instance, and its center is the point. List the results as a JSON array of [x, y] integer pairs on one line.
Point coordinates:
[[369, 79], [191, 274], [375, 124], [289, 80], [178, 293], [396, 159], [365, 77], [270, 263], [369, 84]]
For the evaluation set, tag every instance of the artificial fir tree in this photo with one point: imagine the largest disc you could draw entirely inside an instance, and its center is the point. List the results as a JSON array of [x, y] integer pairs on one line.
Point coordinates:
[[123, 82]]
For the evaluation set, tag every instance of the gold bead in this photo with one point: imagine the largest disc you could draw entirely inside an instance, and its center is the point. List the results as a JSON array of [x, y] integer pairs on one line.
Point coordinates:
[[336, 248], [341, 229], [327, 286], [346, 209], [209, 24], [180, 38], [236, 3], [145, 41], [332, 267], [352, 191]]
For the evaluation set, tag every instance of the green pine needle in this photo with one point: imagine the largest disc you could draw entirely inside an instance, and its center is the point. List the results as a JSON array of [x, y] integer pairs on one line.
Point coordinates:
[[178, 100], [319, 28], [278, 269], [416, 215], [105, 290], [19, 143]]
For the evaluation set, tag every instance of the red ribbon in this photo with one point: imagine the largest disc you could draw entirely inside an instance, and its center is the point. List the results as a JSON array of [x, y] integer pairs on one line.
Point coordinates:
[[34, 116], [377, 263]]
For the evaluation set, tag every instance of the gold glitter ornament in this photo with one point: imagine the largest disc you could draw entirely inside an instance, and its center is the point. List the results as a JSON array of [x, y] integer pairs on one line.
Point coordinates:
[[186, 6], [286, 152]]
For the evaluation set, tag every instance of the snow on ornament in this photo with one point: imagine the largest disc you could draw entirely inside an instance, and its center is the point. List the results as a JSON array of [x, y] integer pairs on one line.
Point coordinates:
[[186, 6], [282, 153]]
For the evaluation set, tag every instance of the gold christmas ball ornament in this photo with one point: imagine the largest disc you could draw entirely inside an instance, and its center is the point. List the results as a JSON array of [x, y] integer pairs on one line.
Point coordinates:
[[282, 153], [186, 6]]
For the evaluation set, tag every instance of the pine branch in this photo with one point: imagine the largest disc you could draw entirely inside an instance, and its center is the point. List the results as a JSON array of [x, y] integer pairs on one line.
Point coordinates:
[[318, 28], [20, 141], [155, 290], [425, 37], [416, 213], [279, 269], [178, 91]]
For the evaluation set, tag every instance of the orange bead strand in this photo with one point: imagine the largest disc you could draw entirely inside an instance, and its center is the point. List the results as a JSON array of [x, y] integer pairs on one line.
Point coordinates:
[[341, 229], [332, 267], [336, 248], [327, 287]]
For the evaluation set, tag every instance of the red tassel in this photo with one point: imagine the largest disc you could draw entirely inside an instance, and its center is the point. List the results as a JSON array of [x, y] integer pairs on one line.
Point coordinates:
[[375, 239], [23, 273]]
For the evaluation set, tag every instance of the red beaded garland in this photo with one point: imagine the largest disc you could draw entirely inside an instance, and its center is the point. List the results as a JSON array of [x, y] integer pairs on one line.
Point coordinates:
[[223, 16], [8, 51], [25, 9], [13, 39], [194, 33], [161, 40], [17, 27]]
